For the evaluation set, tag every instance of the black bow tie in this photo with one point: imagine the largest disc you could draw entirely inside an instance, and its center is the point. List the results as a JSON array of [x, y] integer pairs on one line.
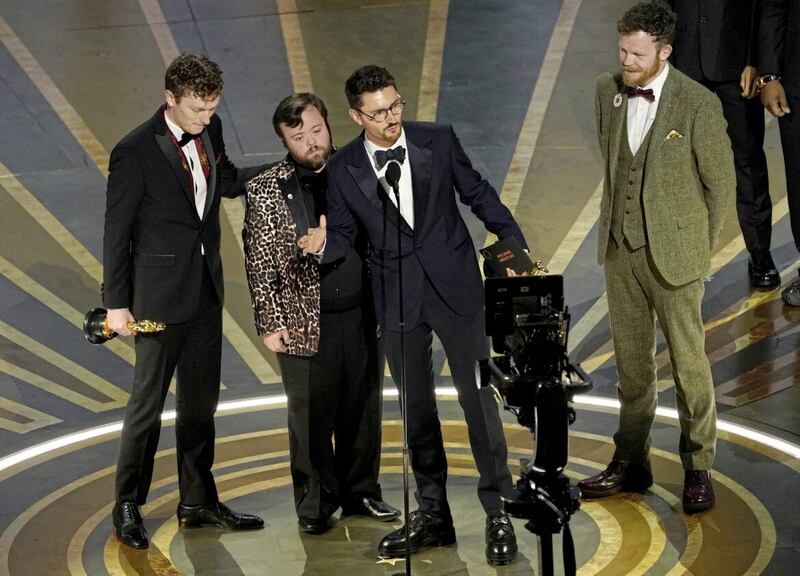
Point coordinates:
[[383, 156], [186, 138], [645, 93]]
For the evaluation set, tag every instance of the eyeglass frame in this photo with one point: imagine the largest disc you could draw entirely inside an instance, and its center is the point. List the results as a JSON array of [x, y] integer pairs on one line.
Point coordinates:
[[386, 111]]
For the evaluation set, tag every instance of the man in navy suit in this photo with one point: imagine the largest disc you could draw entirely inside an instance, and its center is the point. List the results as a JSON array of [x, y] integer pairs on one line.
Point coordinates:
[[442, 291], [161, 262]]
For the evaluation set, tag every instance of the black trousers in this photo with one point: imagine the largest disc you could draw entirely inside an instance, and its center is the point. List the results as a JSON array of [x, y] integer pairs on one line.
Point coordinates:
[[194, 348], [465, 343], [790, 142], [746, 130], [335, 393]]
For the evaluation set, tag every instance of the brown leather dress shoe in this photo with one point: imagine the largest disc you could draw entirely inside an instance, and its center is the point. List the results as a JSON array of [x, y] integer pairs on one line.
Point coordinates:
[[698, 491], [618, 476]]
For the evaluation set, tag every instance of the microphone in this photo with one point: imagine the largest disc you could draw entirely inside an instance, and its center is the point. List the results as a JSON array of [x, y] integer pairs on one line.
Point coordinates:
[[393, 175]]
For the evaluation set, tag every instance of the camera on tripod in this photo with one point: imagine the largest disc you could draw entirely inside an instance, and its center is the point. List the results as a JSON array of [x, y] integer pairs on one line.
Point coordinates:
[[529, 326]]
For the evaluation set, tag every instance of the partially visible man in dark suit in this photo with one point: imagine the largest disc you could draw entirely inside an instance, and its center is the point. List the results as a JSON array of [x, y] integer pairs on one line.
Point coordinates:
[[668, 180], [716, 44], [321, 326], [161, 262], [779, 83], [442, 291]]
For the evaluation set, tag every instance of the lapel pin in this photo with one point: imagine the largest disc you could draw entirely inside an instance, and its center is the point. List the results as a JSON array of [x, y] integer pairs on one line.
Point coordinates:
[[617, 100]]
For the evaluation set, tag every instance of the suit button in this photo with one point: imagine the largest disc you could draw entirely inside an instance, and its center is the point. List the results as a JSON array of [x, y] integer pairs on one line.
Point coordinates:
[[627, 211], [703, 20], [629, 197], [633, 168], [630, 182]]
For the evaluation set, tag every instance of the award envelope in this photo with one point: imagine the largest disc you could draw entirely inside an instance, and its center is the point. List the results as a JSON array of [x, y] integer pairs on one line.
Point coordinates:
[[507, 253]]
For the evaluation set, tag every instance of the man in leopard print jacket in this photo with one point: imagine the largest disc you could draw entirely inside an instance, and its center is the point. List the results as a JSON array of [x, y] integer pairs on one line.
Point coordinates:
[[321, 326]]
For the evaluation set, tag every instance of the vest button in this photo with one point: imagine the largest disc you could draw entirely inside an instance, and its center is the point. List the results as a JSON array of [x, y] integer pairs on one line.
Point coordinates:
[[633, 168], [627, 211], [630, 197]]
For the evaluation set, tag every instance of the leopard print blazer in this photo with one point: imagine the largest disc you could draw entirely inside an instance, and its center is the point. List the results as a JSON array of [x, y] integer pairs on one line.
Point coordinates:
[[284, 284]]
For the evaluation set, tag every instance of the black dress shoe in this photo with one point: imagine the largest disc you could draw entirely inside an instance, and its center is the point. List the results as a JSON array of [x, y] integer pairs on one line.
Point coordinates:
[[618, 476], [128, 525], [762, 269], [501, 542], [698, 491], [374, 508], [216, 514], [791, 294], [424, 530], [314, 524]]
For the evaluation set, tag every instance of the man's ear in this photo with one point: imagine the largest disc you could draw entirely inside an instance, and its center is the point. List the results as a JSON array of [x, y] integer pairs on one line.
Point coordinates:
[[665, 52], [169, 97], [356, 117]]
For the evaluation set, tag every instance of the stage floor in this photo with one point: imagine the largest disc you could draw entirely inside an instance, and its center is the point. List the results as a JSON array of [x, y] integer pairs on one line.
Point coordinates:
[[516, 81]]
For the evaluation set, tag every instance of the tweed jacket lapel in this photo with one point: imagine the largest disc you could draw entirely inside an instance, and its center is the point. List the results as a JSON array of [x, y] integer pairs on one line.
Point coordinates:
[[665, 116], [616, 137]]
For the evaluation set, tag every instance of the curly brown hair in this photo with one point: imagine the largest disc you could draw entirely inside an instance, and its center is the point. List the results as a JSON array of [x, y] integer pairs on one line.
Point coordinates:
[[193, 74], [654, 18]]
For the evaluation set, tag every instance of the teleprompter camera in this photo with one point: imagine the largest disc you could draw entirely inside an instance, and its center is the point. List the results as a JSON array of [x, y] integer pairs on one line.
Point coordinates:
[[529, 325]]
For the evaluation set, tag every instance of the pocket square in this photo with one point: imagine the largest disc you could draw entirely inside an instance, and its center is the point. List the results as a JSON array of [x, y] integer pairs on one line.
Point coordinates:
[[673, 135]]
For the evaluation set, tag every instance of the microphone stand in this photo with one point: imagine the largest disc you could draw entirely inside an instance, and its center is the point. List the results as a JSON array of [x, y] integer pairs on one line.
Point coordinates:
[[393, 179]]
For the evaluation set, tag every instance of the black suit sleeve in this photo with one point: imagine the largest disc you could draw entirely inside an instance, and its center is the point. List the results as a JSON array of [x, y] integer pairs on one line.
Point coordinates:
[[772, 29], [123, 195], [341, 225], [233, 180], [480, 196]]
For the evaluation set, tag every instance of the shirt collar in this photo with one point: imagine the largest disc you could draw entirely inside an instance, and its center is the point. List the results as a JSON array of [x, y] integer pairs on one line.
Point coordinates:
[[176, 130], [657, 84]]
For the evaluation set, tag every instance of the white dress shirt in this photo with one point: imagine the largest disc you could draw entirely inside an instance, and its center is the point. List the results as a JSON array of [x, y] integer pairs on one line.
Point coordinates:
[[406, 188], [641, 113], [193, 157]]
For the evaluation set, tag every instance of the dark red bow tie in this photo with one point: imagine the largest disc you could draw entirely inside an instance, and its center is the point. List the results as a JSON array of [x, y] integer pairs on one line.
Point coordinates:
[[645, 93]]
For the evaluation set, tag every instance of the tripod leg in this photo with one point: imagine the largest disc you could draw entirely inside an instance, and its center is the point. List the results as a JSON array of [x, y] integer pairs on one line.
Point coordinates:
[[545, 542]]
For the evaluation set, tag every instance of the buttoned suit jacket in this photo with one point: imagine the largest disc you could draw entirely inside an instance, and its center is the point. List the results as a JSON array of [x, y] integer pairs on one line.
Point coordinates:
[[152, 257], [715, 40], [439, 247], [688, 180]]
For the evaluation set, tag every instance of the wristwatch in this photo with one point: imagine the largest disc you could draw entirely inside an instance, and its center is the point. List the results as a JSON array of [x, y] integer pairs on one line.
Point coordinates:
[[765, 79]]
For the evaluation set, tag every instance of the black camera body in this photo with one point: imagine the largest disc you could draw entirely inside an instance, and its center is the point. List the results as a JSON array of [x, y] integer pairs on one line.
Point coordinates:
[[529, 326]]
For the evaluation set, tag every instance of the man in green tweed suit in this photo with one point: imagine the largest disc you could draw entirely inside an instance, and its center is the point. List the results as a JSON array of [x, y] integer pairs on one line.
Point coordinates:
[[669, 178]]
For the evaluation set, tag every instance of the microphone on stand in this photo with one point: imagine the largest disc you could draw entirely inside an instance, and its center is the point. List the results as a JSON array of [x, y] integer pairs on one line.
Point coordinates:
[[392, 175]]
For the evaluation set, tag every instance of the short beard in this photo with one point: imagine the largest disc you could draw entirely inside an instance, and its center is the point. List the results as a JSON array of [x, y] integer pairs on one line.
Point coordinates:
[[316, 161]]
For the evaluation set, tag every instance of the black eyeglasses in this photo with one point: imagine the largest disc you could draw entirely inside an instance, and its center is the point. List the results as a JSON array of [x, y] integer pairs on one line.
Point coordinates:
[[381, 115]]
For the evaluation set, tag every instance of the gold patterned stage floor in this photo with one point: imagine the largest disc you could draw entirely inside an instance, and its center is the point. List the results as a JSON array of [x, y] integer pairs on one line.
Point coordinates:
[[516, 80]]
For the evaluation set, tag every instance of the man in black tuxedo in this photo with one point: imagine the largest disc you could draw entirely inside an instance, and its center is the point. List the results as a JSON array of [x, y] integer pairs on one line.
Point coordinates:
[[716, 44], [318, 322], [779, 83], [161, 262], [442, 291]]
